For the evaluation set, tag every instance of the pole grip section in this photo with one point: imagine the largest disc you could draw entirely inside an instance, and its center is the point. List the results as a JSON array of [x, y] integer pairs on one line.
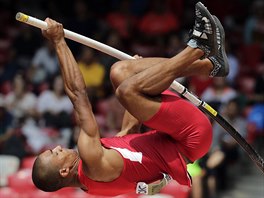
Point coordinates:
[[75, 37], [31, 20], [184, 91]]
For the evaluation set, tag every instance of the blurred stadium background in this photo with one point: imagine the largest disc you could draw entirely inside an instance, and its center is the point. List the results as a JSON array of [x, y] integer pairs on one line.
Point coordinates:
[[35, 114]]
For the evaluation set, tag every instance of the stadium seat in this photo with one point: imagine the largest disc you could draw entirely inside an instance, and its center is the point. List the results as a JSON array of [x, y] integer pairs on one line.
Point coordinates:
[[28, 162], [21, 181], [42, 194], [65, 192], [176, 190], [79, 194], [7, 192], [8, 165], [38, 194]]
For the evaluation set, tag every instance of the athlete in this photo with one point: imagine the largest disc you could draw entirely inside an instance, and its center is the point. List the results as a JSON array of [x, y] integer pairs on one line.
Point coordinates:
[[180, 133]]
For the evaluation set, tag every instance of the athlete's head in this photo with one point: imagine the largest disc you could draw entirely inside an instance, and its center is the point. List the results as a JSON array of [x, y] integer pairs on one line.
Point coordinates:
[[54, 169]]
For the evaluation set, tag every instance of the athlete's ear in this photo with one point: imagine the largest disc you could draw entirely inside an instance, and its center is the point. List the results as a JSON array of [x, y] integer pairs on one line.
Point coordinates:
[[64, 172]]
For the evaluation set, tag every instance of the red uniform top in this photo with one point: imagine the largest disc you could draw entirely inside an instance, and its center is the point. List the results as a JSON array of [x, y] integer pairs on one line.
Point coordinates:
[[146, 157], [180, 128]]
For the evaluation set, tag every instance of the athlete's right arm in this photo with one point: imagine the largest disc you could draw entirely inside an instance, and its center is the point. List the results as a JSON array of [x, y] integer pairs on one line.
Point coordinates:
[[89, 145]]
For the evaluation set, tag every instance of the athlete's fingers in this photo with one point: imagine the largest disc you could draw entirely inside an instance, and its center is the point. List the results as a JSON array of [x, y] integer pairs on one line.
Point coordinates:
[[137, 56]]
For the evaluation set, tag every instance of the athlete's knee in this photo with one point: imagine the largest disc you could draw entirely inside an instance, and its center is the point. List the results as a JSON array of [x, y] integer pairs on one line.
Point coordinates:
[[118, 73], [126, 90]]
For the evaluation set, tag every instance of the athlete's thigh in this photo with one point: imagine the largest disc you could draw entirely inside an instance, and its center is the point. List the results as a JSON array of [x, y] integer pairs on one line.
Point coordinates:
[[141, 106], [185, 123], [125, 69], [141, 64]]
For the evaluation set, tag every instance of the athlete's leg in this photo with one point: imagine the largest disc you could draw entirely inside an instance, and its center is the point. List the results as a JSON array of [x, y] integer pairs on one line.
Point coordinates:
[[122, 70], [198, 67], [136, 93]]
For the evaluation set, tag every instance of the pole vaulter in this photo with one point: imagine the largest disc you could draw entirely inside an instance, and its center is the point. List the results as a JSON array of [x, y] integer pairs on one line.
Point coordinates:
[[203, 106]]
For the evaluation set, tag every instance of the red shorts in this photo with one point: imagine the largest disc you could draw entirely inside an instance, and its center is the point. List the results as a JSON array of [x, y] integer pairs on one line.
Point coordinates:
[[185, 123]]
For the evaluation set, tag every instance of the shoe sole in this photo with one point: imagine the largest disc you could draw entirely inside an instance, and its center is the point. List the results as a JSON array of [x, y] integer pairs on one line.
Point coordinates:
[[222, 46], [201, 7]]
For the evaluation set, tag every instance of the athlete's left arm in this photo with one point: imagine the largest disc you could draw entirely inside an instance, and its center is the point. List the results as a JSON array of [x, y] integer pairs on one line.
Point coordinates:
[[130, 125]]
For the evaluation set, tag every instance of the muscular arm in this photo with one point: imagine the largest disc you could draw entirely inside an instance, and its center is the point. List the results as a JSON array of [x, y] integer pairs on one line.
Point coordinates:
[[99, 163], [90, 149], [76, 90]]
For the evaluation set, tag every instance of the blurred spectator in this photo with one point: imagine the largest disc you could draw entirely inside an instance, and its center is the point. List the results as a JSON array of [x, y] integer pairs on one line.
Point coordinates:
[[37, 139], [54, 107], [254, 28], [159, 20], [55, 117], [11, 140], [20, 102], [225, 150], [233, 65], [212, 167], [110, 114], [197, 175], [21, 45], [9, 69], [92, 70], [122, 20], [260, 82], [175, 45], [139, 7], [232, 113], [198, 84], [235, 8], [113, 39], [6, 121], [4, 51], [176, 6], [45, 63], [147, 47], [255, 115], [258, 92], [219, 93], [153, 27], [84, 21], [255, 128]]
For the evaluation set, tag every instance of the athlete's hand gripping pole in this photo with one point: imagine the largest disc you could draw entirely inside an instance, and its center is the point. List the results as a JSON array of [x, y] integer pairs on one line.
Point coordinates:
[[175, 85]]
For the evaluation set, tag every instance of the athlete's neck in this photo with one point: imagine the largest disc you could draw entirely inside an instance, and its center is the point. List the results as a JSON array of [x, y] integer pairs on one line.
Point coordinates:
[[75, 182]]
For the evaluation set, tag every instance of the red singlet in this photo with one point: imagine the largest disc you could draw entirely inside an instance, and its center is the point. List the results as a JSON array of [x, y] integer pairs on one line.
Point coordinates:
[[179, 128]]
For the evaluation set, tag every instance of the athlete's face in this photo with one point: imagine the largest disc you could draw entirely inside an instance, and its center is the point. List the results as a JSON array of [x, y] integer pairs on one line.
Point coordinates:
[[59, 157]]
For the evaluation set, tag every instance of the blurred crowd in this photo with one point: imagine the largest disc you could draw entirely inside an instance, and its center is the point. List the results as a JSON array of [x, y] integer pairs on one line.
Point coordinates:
[[35, 113]]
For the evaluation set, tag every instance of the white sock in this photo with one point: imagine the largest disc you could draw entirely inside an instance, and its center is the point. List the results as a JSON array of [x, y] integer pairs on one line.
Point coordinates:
[[192, 43]]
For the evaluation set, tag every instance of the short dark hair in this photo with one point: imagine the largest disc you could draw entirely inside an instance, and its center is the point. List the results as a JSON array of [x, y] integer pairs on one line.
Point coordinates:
[[46, 178]]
